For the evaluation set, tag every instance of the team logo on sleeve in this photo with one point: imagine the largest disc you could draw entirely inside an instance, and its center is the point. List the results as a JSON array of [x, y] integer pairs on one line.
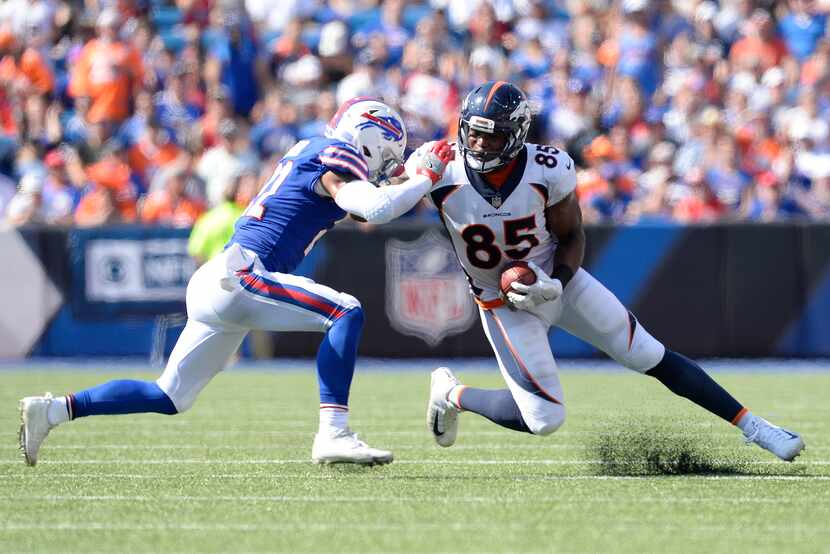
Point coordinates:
[[427, 295]]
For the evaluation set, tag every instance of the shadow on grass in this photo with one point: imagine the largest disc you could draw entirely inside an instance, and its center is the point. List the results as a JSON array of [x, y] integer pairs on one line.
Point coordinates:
[[638, 449], [338, 468]]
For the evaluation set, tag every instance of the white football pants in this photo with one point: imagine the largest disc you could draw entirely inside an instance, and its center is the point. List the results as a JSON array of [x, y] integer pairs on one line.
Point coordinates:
[[587, 310], [230, 295]]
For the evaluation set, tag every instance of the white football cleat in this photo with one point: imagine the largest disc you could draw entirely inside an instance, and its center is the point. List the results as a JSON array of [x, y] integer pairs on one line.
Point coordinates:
[[781, 442], [442, 416], [345, 447], [34, 425]]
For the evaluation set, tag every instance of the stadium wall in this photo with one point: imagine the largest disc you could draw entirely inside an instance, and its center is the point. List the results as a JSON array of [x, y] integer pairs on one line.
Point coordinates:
[[736, 290]]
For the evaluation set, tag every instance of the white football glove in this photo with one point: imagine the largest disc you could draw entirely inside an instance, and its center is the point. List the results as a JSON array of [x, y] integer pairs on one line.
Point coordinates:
[[435, 160], [430, 159], [545, 289], [414, 160]]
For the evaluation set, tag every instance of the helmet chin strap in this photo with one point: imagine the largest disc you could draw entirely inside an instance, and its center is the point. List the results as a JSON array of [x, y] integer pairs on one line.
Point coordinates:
[[473, 163], [478, 165]]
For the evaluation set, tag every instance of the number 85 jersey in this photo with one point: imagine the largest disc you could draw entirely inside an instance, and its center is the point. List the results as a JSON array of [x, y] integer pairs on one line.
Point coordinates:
[[491, 227]]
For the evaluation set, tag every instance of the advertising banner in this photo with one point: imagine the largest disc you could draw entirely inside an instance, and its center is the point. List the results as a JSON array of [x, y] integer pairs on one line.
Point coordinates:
[[129, 270]]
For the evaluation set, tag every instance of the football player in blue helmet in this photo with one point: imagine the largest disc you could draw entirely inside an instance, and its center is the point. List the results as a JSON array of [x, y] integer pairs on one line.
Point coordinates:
[[496, 114]]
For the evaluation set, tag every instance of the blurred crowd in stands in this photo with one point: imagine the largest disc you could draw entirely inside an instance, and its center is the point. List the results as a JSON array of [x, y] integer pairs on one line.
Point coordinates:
[[116, 111]]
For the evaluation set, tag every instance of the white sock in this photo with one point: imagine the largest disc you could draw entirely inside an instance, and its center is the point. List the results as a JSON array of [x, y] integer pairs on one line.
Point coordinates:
[[333, 417], [58, 411], [746, 422], [454, 396]]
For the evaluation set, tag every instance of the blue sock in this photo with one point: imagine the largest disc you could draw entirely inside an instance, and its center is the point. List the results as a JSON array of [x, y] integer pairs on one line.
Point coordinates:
[[336, 358], [685, 378], [496, 405], [121, 397]]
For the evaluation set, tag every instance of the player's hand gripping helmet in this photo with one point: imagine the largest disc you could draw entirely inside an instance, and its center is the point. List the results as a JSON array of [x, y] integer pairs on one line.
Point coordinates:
[[494, 107], [376, 130]]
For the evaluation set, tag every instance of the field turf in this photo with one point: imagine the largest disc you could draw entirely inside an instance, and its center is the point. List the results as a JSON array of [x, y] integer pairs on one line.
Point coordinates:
[[634, 469]]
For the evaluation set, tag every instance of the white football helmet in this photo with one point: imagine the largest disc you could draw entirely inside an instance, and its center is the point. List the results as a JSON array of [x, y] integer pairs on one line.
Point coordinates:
[[376, 130]]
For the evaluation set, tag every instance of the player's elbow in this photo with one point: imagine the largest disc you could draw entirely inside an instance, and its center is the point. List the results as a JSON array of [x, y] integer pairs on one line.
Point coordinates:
[[380, 211], [547, 423], [377, 218], [364, 200]]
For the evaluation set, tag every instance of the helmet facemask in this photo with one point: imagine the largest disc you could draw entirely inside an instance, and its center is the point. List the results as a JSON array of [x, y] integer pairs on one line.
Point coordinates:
[[483, 161], [383, 156]]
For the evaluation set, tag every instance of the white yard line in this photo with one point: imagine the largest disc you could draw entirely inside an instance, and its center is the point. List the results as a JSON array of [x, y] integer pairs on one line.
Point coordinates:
[[326, 477], [260, 446], [404, 500], [476, 447], [180, 461], [155, 433], [409, 526]]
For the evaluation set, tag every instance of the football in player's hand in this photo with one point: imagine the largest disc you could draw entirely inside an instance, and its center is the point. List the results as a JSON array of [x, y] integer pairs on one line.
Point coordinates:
[[516, 271]]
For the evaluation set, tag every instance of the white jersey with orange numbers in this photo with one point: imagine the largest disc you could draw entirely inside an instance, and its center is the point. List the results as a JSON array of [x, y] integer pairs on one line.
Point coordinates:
[[490, 228]]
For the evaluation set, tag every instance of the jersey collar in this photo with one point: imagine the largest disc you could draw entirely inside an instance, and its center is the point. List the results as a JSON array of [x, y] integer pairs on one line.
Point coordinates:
[[497, 197]]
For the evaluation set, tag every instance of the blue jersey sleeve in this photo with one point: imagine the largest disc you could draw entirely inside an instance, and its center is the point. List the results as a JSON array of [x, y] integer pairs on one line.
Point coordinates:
[[344, 158]]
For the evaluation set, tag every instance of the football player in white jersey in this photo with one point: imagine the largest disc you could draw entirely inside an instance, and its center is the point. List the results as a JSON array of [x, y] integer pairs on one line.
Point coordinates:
[[251, 284], [503, 200]]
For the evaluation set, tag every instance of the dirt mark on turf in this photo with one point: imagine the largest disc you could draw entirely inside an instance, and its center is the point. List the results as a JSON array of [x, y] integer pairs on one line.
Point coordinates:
[[633, 448]]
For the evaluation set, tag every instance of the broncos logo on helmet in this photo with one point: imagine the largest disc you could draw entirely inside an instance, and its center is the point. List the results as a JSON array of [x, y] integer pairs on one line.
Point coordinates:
[[496, 107]]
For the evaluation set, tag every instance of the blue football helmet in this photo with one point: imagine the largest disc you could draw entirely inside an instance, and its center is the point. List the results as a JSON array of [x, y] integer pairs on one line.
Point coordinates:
[[494, 107]]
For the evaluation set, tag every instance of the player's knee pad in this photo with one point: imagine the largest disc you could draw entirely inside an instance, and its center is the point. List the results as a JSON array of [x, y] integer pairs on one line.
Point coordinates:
[[545, 422], [183, 402], [349, 302], [182, 398], [635, 348], [352, 317]]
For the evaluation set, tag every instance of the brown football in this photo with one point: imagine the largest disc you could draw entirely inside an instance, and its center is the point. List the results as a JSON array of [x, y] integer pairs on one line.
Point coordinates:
[[516, 271]]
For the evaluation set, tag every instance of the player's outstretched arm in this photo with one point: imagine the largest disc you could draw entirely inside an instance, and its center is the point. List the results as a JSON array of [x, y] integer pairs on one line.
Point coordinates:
[[381, 205]]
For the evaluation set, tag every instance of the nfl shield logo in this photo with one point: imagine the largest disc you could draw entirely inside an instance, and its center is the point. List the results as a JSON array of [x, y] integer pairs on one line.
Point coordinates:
[[427, 295], [495, 201]]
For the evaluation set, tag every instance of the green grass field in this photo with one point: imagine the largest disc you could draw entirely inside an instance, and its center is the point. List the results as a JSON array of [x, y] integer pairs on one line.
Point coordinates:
[[233, 474]]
